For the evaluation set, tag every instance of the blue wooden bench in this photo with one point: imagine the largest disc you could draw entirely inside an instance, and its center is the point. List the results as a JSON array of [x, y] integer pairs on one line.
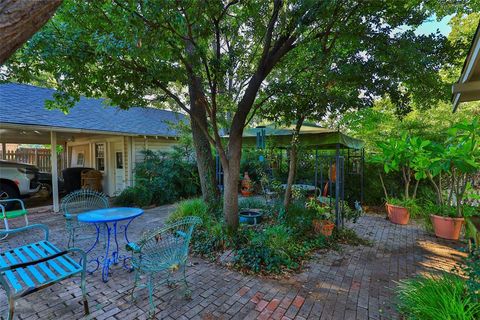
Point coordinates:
[[35, 266]]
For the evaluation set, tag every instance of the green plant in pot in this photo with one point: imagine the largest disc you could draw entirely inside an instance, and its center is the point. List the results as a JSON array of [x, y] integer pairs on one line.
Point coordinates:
[[450, 168], [396, 156], [323, 221]]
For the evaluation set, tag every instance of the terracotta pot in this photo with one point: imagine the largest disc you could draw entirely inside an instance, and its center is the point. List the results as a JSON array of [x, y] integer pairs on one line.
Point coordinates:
[[324, 227], [446, 227], [246, 193], [397, 214]]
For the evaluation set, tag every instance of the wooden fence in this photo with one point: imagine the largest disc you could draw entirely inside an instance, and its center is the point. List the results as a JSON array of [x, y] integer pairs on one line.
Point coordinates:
[[38, 157]]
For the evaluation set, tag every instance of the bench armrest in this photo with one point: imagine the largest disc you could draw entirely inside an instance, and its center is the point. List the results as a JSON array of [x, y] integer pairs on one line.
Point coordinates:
[[26, 228], [13, 200]]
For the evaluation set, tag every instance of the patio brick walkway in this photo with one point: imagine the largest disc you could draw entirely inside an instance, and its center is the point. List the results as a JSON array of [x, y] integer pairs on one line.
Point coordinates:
[[354, 283]]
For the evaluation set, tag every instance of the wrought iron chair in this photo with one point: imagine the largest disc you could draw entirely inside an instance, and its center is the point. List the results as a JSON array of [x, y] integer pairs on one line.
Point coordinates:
[[78, 202], [12, 214], [162, 249]]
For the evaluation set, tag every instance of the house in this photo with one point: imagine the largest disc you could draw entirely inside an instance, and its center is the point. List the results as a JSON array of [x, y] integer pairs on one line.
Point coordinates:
[[467, 87], [92, 134]]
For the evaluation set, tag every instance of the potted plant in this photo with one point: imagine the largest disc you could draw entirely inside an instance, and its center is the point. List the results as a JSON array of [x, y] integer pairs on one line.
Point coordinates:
[[451, 166], [322, 223], [396, 156]]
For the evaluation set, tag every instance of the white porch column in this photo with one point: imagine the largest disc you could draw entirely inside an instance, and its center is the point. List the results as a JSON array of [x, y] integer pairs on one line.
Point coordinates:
[[54, 162]]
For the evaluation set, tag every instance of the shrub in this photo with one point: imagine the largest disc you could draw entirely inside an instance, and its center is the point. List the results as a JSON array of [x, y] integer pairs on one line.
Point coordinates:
[[436, 298], [191, 207], [164, 177], [265, 251], [207, 240], [138, 195]]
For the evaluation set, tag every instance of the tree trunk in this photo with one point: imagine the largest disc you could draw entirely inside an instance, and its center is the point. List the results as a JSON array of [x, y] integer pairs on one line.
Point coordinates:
[[231, 178], [19, 20], [203, 151], [199, 122], [205, 165], [292, 169]]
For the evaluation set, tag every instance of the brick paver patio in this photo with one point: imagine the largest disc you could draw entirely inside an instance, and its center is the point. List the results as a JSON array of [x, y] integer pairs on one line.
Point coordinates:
[[354, 283]]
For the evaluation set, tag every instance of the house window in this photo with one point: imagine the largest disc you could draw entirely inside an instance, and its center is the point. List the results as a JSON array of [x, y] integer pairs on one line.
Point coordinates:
[[119, 160], [80, 159], [100, 156]]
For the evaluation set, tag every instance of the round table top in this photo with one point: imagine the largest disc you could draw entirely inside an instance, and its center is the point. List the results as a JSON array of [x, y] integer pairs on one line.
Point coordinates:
[[109, 215], [306, 187]]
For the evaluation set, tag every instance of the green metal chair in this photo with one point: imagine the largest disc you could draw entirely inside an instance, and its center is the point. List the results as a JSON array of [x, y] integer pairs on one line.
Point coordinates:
[[162, 249], [12, 214], [78, 202]]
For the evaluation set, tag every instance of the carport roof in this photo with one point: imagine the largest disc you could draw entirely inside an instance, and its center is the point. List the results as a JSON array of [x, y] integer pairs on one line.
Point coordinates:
[[22, 104]]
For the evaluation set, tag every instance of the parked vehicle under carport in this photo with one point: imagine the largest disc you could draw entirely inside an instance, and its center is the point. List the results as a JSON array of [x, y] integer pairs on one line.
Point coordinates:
[[17, 180]]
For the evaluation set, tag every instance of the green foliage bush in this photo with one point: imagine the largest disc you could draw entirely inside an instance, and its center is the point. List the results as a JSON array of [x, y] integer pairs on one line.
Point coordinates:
[[191, 207], [138, 195], [280, 244], [163, 177], [436, 298]]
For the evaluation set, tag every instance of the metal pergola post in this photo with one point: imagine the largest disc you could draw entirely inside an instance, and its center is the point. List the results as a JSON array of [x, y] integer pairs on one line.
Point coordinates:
[[337, 185]]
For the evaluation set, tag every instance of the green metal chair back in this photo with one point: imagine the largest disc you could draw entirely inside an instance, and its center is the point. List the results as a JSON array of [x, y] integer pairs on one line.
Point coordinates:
[[162, 249], [77, 202], [165, 247]]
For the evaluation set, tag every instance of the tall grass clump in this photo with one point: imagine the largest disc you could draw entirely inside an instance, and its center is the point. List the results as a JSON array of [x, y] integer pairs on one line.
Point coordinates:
[[436, 298]]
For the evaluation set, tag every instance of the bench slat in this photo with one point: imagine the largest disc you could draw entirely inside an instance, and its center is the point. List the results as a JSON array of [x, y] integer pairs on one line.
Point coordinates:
[[31, 268], [23, 275], [55, 266], [51, 249], [10, 276], [42, 265]]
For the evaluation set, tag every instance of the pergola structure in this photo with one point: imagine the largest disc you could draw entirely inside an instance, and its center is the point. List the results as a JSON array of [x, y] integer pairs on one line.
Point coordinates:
[[333, 149], [467, 87]]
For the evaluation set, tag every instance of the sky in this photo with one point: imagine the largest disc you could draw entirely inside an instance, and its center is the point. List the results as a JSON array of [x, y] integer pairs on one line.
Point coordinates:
[[433, 25]]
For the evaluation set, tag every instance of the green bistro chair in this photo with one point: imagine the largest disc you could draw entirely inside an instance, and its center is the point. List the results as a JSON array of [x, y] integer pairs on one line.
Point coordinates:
[[12, 214], [77, 202], [163, 249]]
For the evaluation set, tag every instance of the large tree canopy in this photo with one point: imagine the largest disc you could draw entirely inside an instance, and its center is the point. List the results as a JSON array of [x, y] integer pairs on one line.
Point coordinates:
[[209, 58]]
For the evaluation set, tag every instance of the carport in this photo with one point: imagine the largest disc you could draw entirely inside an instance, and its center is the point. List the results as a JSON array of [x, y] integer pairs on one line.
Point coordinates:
[[44, 135]]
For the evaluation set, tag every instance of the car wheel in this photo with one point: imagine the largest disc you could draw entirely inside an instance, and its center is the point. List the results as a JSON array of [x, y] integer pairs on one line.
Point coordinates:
[[8, 192], [47, 188]]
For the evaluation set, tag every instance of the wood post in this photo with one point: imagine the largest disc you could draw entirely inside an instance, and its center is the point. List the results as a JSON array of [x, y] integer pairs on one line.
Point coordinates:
[[54, 162]]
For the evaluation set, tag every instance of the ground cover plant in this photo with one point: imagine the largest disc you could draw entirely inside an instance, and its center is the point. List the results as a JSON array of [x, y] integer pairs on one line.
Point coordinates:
[[282, 243]]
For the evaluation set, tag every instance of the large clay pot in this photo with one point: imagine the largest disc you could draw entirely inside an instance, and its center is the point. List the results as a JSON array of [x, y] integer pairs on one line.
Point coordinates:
[[398, 214], [247, 187], [446, 227], [324, 227]]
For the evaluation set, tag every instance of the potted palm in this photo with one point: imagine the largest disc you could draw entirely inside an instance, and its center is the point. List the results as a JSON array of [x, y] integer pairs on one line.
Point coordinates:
[[449, 168], [396, 156]]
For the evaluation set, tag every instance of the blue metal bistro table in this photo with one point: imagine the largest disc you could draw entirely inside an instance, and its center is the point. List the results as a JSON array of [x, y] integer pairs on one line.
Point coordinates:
[[110, 218]]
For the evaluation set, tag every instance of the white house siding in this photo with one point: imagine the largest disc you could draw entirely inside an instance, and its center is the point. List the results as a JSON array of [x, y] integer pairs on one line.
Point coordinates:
[[132, 154], [153, 144]]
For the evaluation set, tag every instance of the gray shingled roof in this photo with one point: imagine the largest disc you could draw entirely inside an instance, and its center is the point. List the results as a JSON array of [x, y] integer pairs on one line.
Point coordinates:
[[25, 105]]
